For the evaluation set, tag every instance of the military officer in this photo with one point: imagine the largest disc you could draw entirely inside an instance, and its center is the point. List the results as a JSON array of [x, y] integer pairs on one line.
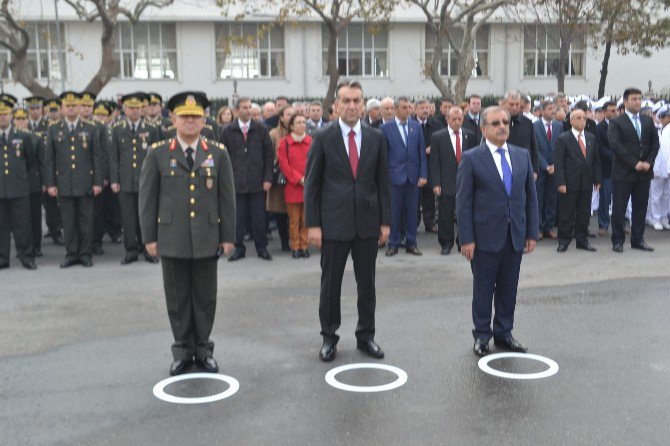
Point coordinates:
[[187, 213], [53, 108], [18, 159], [131, 139], [21, 122], [155, 114], [37, 122], [51, 207], [74, 172], [210, 128]]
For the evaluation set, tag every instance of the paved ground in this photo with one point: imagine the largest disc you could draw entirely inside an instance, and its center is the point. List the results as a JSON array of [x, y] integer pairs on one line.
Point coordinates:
[[81, 349]]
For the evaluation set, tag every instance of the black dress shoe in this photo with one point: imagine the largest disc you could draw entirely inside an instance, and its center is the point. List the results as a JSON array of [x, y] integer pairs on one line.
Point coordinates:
[[128, 259], [209, 364], [179, 366], [305, 253], [265, 255], [642, 246], [38, 252], [116, 239], [481, 347], [28, 264], [446, 250], [391, 252], [4, 266], [562, 248], [371, 348], [68, 263], [296, 254], [328, 351], [150, 259], [86, 262], [97, 250], [237, 255], [586, 247], [617, 247], [58, 239], [285, 248], [510, 344], [414, 251], [591, 234]]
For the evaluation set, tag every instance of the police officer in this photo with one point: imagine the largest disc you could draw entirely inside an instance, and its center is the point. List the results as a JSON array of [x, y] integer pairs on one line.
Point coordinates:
[[131, 139], [21, 122], [18, 158], [51, 207], [74, 172], [155, 114], [187, 213]]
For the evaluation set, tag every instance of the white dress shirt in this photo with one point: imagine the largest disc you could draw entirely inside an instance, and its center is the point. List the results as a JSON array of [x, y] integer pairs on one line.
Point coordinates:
[[357, 137], [497, 159], [577, 134], [185, 147], [242, 124], [71, 124]]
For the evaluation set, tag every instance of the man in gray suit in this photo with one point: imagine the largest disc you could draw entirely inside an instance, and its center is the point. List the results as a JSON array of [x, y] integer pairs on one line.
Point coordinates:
[[187, 213]]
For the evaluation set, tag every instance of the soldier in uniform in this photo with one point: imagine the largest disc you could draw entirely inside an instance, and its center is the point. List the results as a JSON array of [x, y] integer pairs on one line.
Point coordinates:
[[74, 172], [21, 122], [18, 158], [51, 207], [210, 128], [131, 139], [86, 103], [187, 213], [155, 115]]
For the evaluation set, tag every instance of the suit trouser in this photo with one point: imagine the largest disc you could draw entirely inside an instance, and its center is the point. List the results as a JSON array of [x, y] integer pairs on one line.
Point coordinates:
[[334, 256], [404, 202], [52, 215], [251, 206], [659, 198], [190, 295], [130, 218], [495, 278], [427, 206], [15, 218], [574, 215], [111, 212], [638, 191], [77, 215], [296, 226], [98, 219], [546, 200], [36, 219], [445, 220], [604, 203]]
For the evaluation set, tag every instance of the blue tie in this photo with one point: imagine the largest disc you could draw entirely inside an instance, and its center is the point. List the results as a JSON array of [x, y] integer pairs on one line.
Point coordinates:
[[636, 123], [404, 130], [506, 171]]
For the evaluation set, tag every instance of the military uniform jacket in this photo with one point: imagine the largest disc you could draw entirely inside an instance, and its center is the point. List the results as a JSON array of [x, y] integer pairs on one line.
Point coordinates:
[[189, 213], [73, 162], [162, 125], [36, 172], [104, 146], [18, 159], [128, 151]]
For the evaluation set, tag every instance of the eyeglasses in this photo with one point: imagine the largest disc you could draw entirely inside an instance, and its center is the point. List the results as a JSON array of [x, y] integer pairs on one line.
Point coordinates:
[[504, 122]]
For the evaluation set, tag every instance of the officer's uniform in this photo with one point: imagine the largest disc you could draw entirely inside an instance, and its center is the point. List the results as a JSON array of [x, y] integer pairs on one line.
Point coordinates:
[[51, 207], [161, 123], [18, 158], [189, 212], [128, 149], [110, 201], [74, 164]]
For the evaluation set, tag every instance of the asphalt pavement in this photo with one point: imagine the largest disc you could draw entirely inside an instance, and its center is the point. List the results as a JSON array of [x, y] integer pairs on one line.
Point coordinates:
[[82, 349]]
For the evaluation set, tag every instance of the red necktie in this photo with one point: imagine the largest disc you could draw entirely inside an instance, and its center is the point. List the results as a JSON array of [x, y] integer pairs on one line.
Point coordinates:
[[245, 131], [582, 145], [549, 131], [458, 147], [353, 153]]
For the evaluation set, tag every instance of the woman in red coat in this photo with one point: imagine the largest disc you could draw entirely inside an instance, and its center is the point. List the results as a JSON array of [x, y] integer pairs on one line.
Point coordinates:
[[292, 155]]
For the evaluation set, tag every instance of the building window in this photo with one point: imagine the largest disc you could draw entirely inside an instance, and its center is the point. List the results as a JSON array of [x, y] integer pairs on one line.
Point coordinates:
[[249, 51], [362, 50], [541, 51], [448, 65], [145, 51], [42, 58]]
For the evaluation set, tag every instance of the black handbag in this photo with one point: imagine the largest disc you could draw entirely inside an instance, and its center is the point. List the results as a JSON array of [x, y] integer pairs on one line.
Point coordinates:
[[278, 177]]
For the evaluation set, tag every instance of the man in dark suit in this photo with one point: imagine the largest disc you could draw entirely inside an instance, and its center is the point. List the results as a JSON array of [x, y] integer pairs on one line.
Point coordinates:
[[578, 170], [547, 131], [347, 209], [606, 158], [521, 132], [187, 214], [426, 196], [496, 207], [634, 140], [471, 118], [408, 171], [373, 113], [590, 123], [447, 147]]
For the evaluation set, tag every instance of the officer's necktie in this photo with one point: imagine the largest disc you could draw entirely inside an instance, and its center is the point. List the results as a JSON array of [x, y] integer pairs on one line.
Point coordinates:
[[353, 153], [71, 129], [3, 139], [636, 123], [506, 171], [189, 158]]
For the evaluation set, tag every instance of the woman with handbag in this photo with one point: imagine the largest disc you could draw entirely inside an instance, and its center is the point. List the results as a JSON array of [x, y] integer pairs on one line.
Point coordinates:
[[292, 154], [275, 199]]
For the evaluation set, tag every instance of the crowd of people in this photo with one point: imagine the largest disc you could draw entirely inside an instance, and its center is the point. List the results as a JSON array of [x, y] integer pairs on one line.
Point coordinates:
[[77, 162]]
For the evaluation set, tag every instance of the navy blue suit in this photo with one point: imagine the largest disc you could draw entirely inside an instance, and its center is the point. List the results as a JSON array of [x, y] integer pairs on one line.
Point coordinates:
[[407, 163], [499, 224], [546, 184]]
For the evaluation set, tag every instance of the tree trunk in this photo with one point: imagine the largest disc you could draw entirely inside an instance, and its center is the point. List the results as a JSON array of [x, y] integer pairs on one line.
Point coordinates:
[[331, 70], [464, 71], [434, 67], [603, 69], [20, 75], [562, 58], [107, 66]]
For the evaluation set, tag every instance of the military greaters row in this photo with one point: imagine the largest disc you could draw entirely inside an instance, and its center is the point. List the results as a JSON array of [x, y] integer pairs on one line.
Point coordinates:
[[80, 159]]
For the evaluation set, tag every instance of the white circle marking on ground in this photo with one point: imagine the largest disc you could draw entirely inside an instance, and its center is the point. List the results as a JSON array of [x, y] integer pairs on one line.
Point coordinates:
[[159, 388], [484, 365], [330, 377]]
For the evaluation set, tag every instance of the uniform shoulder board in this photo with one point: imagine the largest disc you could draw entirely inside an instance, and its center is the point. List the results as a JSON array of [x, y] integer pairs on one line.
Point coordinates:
[[158, 144], [116, 124], [151, 124], [208, 126], [214, 143]]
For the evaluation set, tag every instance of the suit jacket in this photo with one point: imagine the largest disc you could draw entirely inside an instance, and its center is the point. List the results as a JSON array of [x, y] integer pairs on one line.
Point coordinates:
[[443, 165], [484, 210], [253, 160], [545, 148], [522, 134], [19, 161], [407, 163], [572, 170], [189, 213], [128, 151], [343, 206], [629, 149], [474, 128], [604, 150]]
